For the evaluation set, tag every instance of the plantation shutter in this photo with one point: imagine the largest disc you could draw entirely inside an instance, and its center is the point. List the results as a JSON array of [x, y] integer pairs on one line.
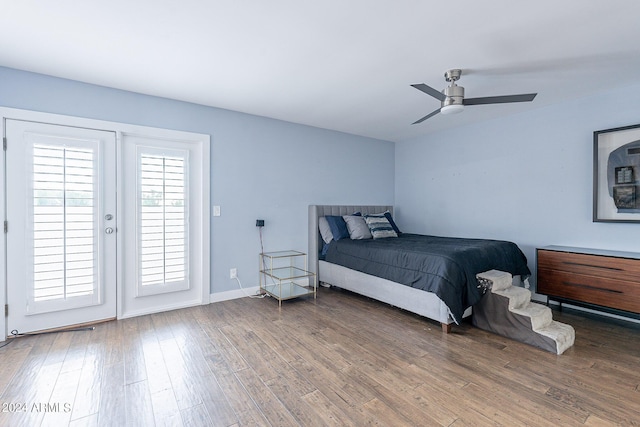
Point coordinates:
[[62, 228], [162, 226]]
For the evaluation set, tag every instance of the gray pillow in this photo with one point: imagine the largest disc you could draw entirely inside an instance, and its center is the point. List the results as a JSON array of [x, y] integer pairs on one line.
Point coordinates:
[[325, 230], [358, 228]]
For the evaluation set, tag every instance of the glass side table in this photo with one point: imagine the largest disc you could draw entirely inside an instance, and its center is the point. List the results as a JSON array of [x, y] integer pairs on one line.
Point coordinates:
[[288, 275]]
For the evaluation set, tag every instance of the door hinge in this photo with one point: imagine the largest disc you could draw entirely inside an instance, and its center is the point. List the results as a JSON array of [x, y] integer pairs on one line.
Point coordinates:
[[4, 143], [6, 226], [6, 309]]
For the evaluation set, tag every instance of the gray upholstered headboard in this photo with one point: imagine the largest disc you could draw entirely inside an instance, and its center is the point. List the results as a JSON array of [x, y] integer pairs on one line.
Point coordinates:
[[317, 211]]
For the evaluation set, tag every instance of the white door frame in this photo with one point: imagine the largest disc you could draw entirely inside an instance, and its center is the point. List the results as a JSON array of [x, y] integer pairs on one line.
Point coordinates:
[[203, 142]]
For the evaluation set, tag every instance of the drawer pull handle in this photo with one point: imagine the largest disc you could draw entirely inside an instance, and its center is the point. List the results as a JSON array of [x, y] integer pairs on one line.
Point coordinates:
[[593, 266], [580, 285]]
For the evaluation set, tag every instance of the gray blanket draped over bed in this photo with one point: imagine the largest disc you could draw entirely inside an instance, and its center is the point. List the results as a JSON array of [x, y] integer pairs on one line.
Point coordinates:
[[443, 265]]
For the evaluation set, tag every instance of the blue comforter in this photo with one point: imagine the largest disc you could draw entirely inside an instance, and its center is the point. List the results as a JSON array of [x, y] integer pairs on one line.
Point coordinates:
[[445, 266]]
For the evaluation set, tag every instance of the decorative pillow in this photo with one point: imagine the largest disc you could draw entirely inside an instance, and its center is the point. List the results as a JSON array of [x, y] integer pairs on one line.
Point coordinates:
[[387, 214], [325, 249], [358, 228], [338, 227], [379, 226], [325, 230]]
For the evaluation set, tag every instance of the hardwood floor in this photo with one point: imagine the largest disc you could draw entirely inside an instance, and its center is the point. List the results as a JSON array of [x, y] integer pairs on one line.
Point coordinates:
[[340, 360]]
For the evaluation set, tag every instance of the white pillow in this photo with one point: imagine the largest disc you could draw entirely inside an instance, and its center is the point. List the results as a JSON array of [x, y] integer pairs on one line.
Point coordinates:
[[325, 230]]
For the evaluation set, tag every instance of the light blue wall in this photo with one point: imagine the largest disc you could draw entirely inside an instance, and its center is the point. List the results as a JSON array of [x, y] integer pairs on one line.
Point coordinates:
[[525, 178], [260, 167]]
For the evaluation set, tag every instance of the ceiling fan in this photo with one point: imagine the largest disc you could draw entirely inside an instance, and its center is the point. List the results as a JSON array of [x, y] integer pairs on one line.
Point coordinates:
[[453, 100]]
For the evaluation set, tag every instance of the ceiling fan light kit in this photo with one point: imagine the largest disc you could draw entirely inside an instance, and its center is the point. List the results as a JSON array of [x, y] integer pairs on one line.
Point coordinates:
[[452, 109], [452, 97]]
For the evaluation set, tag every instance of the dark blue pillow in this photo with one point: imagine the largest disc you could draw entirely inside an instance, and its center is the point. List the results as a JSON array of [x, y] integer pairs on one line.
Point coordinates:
[[387, 214], [325, 249], [338, 227]]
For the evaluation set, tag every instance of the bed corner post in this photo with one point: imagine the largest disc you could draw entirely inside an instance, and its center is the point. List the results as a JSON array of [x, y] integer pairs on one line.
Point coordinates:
[[313, 241], [446, 328]]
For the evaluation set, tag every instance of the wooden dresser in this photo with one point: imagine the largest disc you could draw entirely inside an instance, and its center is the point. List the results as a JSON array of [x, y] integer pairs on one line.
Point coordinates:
[[608, 279]]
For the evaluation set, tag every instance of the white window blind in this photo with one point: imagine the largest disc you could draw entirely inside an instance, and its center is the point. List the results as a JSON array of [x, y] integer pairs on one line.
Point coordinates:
[[64, 233], [162, 222]]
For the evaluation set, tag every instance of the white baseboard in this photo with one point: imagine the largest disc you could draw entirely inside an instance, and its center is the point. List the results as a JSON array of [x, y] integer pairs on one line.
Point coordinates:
[[233, 294]]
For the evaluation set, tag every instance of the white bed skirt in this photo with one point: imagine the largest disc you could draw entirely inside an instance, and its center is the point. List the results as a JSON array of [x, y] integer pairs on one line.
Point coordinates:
[[416, 301], [426, 304]]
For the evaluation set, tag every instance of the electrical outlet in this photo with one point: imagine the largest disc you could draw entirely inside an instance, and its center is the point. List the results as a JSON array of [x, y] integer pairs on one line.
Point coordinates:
[[259, 222], [233, 273]]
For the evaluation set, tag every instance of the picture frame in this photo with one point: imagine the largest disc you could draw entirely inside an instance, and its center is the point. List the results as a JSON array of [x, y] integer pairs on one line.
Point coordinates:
[[616, 174]]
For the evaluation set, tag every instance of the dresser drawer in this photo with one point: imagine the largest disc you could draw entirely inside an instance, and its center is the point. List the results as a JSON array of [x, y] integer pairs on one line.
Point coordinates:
[[590, 265], [612, 293]]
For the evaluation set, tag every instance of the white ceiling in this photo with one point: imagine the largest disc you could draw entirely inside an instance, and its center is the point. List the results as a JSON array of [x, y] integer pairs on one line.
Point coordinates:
[[345, 65]]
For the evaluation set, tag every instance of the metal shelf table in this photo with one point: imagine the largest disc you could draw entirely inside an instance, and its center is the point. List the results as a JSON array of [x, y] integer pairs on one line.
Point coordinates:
[[288, 274]]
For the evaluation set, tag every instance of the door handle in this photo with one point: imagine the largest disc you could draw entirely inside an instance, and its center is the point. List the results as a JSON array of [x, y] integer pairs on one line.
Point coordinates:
[[108, 230]]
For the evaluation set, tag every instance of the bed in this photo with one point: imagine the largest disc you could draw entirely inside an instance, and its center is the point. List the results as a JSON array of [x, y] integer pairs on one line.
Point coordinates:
[[437, 303]]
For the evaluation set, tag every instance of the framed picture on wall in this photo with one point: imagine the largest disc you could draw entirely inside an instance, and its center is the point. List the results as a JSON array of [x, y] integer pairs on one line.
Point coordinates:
[[616, 169]]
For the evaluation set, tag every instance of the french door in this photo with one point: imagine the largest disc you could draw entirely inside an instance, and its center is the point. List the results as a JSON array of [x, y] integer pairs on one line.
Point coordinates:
[[100, 223], [61, 225], [162, 224]]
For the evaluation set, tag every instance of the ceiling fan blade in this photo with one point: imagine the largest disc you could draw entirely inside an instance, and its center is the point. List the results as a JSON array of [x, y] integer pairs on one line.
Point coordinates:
[[525, 97], [430, 91], [426, 117]]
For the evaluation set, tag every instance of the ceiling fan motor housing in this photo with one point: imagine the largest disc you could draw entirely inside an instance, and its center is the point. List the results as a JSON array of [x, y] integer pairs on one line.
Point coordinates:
[[455, 95]]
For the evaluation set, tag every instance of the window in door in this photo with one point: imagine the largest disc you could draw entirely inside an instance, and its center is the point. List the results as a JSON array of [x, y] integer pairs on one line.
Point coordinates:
[[63, 222], [162, 226]]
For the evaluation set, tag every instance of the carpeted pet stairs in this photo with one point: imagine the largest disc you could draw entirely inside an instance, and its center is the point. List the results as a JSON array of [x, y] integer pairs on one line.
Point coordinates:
[[507, 310]]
